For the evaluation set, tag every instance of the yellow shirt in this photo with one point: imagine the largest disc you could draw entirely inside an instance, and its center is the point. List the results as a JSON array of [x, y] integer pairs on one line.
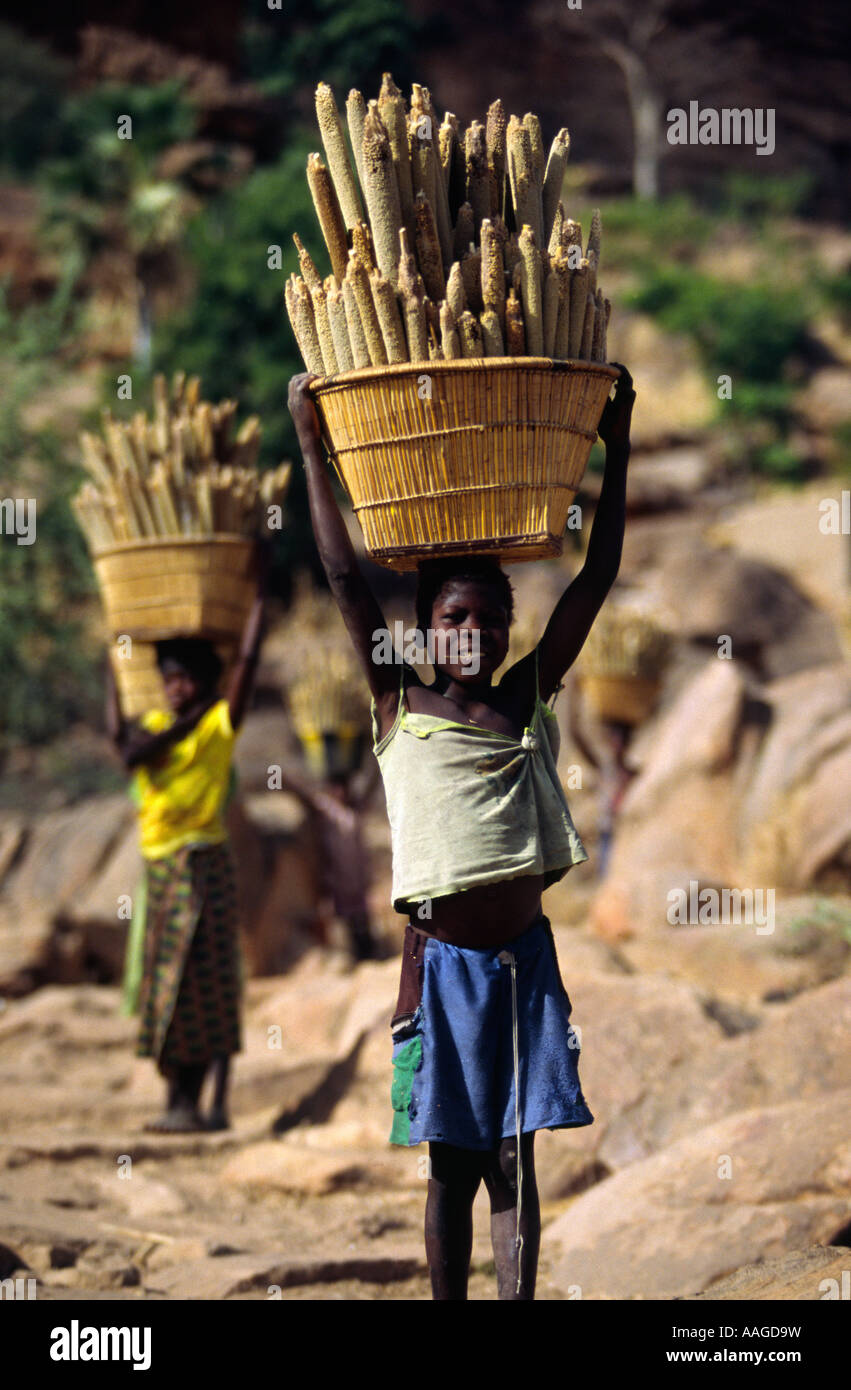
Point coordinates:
[[181, 802]]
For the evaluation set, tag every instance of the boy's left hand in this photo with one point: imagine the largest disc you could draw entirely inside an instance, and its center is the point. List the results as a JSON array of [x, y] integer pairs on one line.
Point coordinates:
[[614, 424]]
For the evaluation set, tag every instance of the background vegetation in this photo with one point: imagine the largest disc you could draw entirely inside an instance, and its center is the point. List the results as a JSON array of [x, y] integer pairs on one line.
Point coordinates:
[[198, 257]]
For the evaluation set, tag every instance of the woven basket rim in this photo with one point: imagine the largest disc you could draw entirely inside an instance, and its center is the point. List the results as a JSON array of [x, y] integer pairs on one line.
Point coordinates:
[[621, 677], [407, 557], [460, 364], [222, 538]]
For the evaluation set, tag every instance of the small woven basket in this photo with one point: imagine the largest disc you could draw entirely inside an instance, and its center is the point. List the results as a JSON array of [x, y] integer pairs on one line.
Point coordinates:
[[483, 455], [186, 586], [622, 699]]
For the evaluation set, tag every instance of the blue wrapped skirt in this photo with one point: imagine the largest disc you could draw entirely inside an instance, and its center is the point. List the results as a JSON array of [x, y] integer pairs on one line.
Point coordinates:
[[469, 1022]]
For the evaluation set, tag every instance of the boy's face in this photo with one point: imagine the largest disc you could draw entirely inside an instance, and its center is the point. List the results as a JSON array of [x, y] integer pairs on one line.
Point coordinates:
[[182, 689], [475, 622]]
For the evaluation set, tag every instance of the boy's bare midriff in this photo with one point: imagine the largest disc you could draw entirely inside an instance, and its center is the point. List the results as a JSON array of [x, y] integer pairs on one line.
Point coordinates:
[[489, 915]]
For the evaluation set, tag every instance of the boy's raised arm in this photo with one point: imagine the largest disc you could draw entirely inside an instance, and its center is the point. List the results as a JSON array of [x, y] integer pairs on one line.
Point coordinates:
[[579, 605], [360, 611]]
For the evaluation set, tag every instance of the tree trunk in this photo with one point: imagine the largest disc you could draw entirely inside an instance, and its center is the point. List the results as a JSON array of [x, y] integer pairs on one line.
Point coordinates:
[[143, 336], [645, 106]]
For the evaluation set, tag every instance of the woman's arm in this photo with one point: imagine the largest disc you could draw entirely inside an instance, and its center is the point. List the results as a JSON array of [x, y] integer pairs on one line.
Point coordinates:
[[360, 611], [575, 725], [115, 723], [138, 746], [298, 787], [242, 678], [579, 605]]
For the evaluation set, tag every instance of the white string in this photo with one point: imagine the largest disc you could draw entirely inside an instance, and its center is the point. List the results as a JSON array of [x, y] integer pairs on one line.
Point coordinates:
[[508, 958]]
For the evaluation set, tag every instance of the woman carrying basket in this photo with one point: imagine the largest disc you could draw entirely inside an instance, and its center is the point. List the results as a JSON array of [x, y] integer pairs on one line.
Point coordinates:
[[182, 763], [483, 1051]]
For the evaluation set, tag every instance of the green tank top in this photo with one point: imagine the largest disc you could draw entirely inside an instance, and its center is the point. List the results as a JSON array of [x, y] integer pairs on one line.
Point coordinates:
[[469, 806]]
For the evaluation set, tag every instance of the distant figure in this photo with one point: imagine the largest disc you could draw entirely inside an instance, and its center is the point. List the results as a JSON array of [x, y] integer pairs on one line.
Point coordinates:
[[618, 685], [335, 807], [331, 718], [607, 755], [190, 991]]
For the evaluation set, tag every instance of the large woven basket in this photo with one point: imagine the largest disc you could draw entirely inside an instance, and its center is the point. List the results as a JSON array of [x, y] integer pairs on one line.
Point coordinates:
[[621, 699], [186, 586], [481, 455]]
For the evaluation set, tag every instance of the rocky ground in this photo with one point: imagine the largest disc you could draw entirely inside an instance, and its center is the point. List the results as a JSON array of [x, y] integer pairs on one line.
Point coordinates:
[[716, 1058], [719, 1164]]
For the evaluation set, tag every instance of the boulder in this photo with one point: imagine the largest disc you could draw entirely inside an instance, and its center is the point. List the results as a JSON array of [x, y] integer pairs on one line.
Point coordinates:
[[232, 1275], [717, 590], [64, 850], [266, 738], [306, 1169], [826, 403], [795, 815], [686, 839], [674, 823], [673, 400], [737, 968], [821, 1272], [668, 478], [697, 734], [801, 1050], [782, 529], [809, 716], [752, 1186], [12, 832], [711, 591], [25, 949], [818, 820], [634, 1033], [53, 866], [94, 915]]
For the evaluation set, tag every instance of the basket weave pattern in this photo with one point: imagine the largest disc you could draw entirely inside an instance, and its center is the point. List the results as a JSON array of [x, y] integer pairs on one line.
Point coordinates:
[[622, 699], [472, 455], [200, 586], [140, 686]]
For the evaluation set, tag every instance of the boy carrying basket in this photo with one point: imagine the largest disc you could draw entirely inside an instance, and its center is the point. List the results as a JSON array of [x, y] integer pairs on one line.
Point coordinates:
[[483, 1052]]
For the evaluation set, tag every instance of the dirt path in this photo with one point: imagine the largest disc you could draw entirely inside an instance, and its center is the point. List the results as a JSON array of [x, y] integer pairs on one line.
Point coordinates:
[[96, 1208]]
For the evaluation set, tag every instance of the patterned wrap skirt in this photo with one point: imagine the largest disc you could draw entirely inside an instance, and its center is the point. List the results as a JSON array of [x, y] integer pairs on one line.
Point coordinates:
[[192, 982]]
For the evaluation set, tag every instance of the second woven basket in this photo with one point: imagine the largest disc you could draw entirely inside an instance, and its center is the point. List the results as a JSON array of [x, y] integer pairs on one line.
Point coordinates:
[[178, 586], [480, 455]]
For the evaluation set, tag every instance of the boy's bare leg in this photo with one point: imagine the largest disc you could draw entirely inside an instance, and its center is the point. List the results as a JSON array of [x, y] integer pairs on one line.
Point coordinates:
[[452, 1186], [184, 1088], [500, 1175], [218, 1114]]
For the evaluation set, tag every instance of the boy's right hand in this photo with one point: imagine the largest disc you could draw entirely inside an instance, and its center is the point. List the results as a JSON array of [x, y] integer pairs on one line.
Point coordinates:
[[303, 410]]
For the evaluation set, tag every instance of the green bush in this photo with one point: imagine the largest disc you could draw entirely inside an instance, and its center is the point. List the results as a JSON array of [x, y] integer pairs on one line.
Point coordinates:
[[48, 671], [763, 200], [746, 331], [235, 333], [346, 45], [751, 333], [639, 232], [32, 83]]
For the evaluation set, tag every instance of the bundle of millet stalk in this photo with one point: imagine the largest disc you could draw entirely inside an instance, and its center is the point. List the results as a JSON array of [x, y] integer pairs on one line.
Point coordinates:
[[444, 243]]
